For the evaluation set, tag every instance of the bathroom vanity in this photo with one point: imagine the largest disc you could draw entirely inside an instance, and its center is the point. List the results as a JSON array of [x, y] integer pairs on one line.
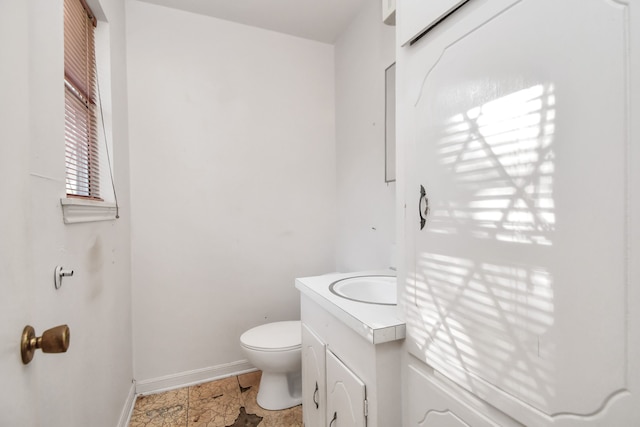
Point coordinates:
[[350, 356]]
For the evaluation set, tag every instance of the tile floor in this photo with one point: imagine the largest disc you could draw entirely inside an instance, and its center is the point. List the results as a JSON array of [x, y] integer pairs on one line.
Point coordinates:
[[229, 402]]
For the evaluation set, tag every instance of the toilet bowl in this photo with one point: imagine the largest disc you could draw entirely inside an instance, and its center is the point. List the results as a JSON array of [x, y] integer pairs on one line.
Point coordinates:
[[276, 349]]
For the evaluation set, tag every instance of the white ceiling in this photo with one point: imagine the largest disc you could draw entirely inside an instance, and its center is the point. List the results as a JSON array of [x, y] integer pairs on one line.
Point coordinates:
[[321, 20]]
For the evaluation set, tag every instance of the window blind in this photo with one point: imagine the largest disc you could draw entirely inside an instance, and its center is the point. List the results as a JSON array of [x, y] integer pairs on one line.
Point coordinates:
[[81, 131]]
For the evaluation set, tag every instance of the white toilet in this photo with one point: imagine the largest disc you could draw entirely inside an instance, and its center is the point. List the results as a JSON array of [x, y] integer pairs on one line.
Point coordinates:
[[276, 349]]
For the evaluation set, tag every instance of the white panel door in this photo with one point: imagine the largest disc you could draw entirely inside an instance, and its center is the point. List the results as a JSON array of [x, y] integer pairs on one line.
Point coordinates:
[[19, 385], [314, 390], [418, 15], [346, 395], [520, 117]]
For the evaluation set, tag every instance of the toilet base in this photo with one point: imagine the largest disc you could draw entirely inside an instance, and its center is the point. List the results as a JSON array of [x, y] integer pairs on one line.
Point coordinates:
[[279, 391]]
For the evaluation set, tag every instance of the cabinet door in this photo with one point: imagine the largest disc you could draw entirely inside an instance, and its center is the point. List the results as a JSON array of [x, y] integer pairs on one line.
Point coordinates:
[[313, 379], [346, 395], [520, 117], [430, 404], [417, 16]]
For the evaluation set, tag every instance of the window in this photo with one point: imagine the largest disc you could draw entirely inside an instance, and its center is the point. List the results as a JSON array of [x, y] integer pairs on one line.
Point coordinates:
[[81, 131]]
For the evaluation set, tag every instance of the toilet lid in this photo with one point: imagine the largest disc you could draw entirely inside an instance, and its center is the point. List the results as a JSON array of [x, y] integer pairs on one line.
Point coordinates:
[[274, 336]]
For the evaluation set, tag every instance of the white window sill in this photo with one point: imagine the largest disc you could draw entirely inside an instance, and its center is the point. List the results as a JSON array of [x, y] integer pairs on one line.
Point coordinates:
[[79, 210]]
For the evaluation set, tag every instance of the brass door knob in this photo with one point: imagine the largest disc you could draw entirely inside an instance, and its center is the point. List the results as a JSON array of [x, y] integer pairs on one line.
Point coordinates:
[[54, 340]]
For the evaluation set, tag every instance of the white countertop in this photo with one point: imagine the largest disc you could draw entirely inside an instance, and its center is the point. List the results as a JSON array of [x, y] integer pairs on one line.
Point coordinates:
[[375, 322]]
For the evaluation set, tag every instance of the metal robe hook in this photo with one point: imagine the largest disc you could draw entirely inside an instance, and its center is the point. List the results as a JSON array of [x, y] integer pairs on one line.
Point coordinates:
[[59, 274]]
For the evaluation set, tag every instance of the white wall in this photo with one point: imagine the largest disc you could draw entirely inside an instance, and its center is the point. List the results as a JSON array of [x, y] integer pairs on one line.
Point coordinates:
[[90, 383], [366, 204], [233, 182]]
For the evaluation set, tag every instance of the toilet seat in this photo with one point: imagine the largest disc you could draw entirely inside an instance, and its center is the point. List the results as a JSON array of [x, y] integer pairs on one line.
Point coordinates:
[[276, 336]]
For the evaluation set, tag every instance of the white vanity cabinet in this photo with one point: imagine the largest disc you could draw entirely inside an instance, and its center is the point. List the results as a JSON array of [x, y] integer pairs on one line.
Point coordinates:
[[330, 389], [350, 359], [520, 130]]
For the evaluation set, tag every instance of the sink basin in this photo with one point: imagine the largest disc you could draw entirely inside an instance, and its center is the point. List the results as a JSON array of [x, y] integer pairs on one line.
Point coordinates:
[[368, 289]]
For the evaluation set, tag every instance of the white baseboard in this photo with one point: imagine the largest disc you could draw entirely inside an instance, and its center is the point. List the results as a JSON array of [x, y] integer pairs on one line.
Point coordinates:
[[127, 409], [184, 379]]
